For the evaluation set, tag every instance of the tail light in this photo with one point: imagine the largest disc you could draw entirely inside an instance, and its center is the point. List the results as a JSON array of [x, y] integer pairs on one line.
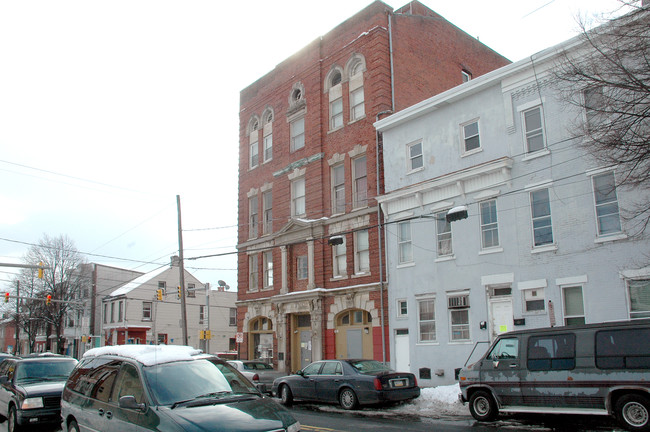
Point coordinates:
[[378, 385], [415, 381], [256, 377]]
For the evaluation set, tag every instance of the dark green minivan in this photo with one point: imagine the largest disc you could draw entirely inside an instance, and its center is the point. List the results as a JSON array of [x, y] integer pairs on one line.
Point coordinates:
[[165, 388]]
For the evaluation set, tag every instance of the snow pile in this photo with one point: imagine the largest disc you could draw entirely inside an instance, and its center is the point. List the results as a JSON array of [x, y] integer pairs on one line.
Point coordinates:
[[148, 355], [435, 402]]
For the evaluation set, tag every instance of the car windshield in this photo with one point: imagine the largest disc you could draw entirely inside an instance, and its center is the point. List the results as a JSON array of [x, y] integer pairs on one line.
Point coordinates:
[[257, 366], [369, 366], [44, 371], [181, 381]]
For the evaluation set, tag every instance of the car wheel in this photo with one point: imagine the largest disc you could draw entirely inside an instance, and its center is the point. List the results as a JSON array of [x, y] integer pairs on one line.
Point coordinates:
[[73, 426], [285, 395], [482, 406], [12, 424], [348, 399], [633, 412]]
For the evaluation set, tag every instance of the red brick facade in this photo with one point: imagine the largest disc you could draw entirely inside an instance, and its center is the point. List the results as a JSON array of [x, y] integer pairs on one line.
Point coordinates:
[[339, 85]]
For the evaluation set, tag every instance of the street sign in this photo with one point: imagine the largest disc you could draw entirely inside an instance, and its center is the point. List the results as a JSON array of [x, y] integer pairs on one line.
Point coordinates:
[[239, 337]]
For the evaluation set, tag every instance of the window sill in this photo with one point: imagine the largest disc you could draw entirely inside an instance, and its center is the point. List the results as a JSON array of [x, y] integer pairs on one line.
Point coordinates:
[[250, 168], [334, 130], [338, 278], [425, 343], [405, 265], [611, 238], [337, 214], [416, 170], [357, 119], [534, 313], [358, 275], [268, 288], [534, 155], [445, 258], [460, 342], [491, 251], [267, 161], [402, 317], [542, 249], [471, 152]]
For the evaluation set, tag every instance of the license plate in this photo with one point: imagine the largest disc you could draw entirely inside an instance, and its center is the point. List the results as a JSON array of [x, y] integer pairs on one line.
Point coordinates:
[[398, 383]]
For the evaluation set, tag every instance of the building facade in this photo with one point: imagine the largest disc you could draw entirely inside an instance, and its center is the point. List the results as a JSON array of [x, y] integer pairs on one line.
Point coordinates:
[[310, 266], [545, 241]]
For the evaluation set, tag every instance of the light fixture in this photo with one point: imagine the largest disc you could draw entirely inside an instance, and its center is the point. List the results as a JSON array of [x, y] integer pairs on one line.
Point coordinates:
[[457, 213]]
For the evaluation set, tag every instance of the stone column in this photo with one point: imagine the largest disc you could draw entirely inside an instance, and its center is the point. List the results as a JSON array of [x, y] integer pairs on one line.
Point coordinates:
[[311, 278], [285, 284]]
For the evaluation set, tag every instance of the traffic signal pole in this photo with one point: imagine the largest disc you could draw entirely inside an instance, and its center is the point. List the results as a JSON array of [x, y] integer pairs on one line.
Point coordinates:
[[181, 268]]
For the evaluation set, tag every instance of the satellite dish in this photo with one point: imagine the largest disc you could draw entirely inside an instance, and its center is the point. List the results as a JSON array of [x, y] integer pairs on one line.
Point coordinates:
[[221, 283]]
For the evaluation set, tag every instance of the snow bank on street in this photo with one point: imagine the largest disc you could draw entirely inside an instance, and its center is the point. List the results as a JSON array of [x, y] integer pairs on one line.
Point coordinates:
[[436, 402]]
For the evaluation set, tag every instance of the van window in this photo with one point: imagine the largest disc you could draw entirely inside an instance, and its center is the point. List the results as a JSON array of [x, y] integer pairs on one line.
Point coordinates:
[[506, 348], [621, 349], [553, 352], [128, 384], [104, 377]]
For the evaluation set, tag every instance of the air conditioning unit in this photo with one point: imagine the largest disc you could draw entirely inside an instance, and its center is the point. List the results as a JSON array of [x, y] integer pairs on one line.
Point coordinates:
[[458, 302]]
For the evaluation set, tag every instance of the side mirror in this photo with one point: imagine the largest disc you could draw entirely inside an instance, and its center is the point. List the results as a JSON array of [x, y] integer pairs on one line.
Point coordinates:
[[129, 402], [301, 373], [4, 379]]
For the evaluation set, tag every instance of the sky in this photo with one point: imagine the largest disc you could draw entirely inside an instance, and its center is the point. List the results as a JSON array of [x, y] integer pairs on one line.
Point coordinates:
[[110, 110]]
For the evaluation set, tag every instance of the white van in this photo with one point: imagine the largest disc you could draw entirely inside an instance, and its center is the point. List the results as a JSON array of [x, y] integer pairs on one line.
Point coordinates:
[[601, 369]]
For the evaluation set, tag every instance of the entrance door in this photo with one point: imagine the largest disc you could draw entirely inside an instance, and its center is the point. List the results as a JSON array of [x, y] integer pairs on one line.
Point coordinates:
[[305, 348], [501, 319], [402, 357], [355, 343]]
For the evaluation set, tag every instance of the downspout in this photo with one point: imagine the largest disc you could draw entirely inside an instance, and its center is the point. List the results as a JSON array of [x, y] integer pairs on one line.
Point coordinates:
[[392, 70]]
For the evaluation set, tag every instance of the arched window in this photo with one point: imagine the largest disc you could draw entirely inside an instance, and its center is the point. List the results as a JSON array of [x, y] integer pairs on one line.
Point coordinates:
[[253, 143], [355, 67], [334, 89], [267, 135], [261, 340]]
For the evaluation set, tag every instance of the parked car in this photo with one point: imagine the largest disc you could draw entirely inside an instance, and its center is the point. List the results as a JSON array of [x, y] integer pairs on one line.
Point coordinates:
[[257, 368], [349, 382], [589, 369], [30, 389], [165, 388]]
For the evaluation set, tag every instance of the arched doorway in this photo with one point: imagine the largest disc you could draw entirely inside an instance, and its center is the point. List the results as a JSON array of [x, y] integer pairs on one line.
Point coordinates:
[[354, 334], [260, 339]]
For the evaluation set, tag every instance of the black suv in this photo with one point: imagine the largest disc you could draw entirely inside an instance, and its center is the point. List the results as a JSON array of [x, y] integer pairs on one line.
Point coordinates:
[[30, 389]]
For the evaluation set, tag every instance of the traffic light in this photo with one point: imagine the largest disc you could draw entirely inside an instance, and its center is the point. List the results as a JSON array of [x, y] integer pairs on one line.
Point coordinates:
[[179, 292], [48, 300], [159, 294], [40, 270], [7, 297]]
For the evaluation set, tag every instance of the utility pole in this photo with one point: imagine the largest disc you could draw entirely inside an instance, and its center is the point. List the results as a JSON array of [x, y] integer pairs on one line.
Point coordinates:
[[181, 268], [17, 346], [207, 317]]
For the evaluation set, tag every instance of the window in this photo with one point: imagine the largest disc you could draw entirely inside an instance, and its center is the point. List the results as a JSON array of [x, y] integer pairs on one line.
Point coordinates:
[[253, 150], [620, 349], [112, 312], [233, 317], [162, 285], [360, 182], [552, 352], [415, 156], [466, 76], [357, 108], [297, 134], [639, 291], [489, 226], [302, 267], [298, 197], [331, 368], [362, 252], [443, 232], [268, 269], [338, 189], [426, 320], [506, 348], [336, 113], [534, 300], [191, 290], [470, 137], [402, 308], [459, 317], [339, 260], [534, 130], [105, 313], [267, 140], [252, 217], [252, 273], [541, 213], [268, 147], [201, 314], [267, 203], [404, 245], [594, 105], [146, 311], [120, 311], [574, 308], [607, 215]]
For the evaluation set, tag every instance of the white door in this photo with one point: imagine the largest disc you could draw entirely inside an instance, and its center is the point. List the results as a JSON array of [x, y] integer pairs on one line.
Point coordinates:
[[402, 358], [355, 344], [501, 319]]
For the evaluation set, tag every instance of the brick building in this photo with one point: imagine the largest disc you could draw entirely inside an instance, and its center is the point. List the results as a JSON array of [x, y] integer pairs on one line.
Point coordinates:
[[310, 262]]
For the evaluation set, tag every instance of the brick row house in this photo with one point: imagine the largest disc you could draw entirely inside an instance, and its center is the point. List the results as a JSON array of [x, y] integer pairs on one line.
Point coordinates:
[[310, 268]]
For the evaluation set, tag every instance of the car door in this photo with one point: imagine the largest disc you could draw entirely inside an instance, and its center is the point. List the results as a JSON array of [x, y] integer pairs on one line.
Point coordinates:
[[303, 386], [127, 383], [98, 412], [501, 371], [328, 381], [6, 369]]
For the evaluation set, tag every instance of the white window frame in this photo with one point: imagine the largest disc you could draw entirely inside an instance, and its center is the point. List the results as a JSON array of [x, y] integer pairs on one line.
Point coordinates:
[[465, 138], [339, 260], [253, 216], [642, 314], [267, 211], [434, 339], [147, 306], [338, 207], [565, 316], [399, 310], [253, 273], [491, 226], [465, 76], [233, 317], [267, 147], [268, 269], [298, 197], [465, 327], [360, 197], [415, 161], [540, 218], [357, 107], [191, 290], [446, 235], [361, 254], [533, 294], [601, 205], [302, 267], [253, 152], [201, 314], [297, 128], [336, 113], [529, 134], [404, 242]]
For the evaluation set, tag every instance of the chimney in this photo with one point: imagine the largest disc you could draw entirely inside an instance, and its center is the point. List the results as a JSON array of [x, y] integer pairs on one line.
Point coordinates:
[[175, 261]]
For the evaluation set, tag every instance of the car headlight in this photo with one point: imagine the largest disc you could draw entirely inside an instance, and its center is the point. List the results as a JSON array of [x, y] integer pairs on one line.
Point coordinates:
[[294, 427], [30, 403]]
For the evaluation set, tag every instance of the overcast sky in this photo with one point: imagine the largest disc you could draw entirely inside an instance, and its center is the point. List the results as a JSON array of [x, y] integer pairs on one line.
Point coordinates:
[[110, 109]]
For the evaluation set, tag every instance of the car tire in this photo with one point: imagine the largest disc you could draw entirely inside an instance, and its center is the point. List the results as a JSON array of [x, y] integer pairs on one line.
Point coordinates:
[[482, 406], [633, 412], [73, 426], [285, 395], [12, 424], [348, 399]]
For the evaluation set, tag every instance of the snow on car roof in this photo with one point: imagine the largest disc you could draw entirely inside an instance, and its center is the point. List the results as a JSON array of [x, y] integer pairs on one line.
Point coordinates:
[[148, 355]]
